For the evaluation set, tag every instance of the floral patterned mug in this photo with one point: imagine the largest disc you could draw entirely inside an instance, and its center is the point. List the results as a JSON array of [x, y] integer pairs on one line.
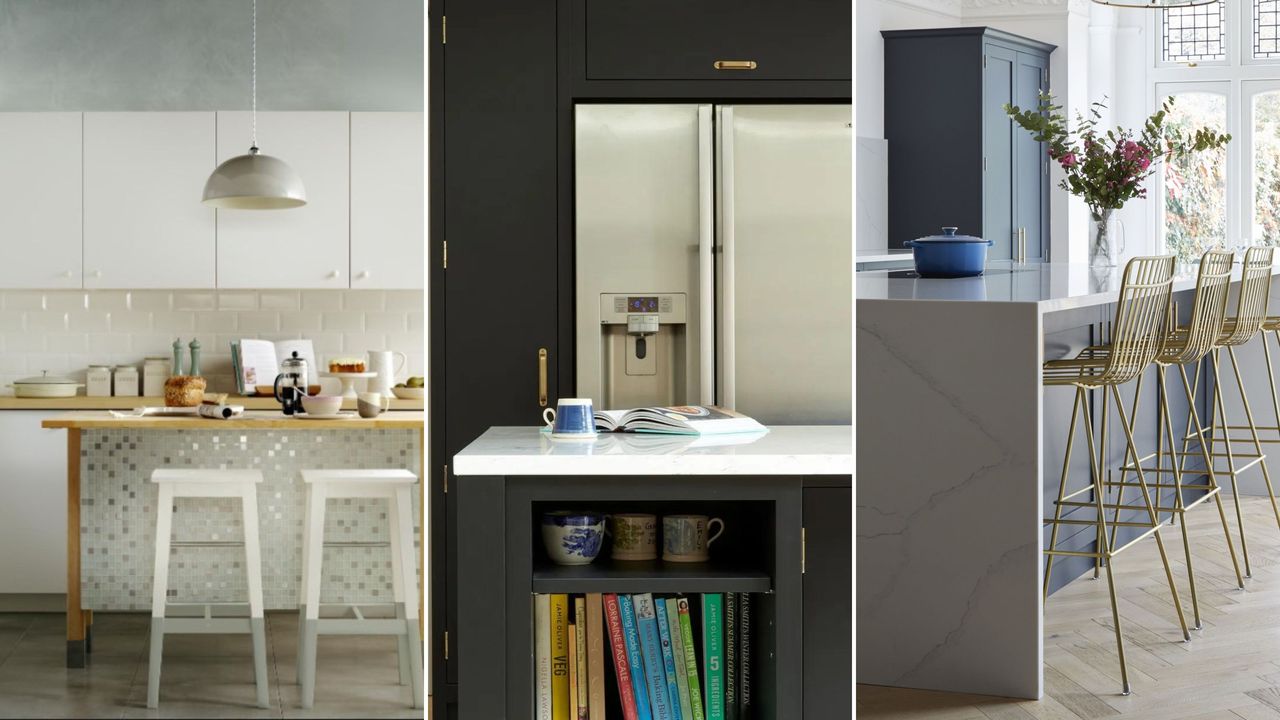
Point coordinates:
[[572, 537], [635, 536]]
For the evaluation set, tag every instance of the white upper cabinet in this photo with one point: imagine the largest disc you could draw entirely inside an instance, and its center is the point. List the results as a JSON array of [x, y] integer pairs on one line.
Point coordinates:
[[144, 224], [387, 200], [40, 199], [304, 247]]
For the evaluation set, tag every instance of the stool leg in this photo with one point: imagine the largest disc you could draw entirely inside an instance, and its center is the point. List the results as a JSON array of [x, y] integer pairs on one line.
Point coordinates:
[[302, 587], [1102, 464], [1253, 429], [1221, 412], [402, 642], [311, 598], [253, 570], [1062, 490], [1124, 475], [408, 570], [1193, 417], [1166, 425], [159, 590], [1104, 549], [1151, 512]]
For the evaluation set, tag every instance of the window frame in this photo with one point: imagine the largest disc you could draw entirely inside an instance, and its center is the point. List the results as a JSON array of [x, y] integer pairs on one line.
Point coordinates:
[[1229, 9], [1162, 90]]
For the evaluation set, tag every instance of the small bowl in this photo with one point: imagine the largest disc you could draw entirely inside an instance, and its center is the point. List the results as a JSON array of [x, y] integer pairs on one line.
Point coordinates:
[[572, 537], [321, 405], [409, 393]]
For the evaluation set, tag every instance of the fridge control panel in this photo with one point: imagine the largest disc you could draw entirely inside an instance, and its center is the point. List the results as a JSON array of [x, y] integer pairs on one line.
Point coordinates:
[[668, 307]]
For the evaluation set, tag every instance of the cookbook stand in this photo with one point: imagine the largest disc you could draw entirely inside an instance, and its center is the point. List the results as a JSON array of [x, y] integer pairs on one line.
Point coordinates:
[[349, 381]]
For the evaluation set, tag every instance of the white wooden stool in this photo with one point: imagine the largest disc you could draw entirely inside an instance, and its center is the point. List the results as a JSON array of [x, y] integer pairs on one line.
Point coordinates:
[[207, 484], [396, 487]]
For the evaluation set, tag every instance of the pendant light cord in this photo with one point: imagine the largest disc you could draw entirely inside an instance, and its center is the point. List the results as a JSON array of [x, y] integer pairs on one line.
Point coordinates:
[[254, 75]]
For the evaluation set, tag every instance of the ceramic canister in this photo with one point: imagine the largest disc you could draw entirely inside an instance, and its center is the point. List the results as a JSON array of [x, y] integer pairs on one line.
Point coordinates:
[[572, 537]]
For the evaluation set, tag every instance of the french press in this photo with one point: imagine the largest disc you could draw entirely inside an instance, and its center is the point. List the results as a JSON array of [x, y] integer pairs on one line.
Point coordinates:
[[291, 384]]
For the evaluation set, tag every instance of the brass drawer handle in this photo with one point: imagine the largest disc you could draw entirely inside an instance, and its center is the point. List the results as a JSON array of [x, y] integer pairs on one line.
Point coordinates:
[[542, 377], [734, 64]]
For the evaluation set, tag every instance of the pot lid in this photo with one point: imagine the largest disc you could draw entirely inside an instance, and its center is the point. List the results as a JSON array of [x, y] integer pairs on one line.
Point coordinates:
[[949, 236], [46, 379]]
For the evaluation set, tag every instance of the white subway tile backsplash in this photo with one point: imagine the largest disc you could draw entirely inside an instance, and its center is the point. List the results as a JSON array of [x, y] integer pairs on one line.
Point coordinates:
[[65, 331]]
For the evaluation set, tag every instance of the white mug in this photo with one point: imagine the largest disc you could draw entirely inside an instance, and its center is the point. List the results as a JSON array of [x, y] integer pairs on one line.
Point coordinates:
[[384, 363], [372, 404]]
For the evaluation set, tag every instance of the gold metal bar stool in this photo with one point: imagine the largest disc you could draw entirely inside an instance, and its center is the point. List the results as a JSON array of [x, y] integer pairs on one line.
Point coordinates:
[[1251, 312], [1140, 328], [1188, 345]]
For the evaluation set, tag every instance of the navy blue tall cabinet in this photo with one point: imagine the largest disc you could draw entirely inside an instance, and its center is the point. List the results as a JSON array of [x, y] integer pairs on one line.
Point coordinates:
[[955, 157]]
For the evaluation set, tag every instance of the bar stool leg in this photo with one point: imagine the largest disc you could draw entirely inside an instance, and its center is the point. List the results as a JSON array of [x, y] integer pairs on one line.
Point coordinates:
[[1253, 428], [253, 565], [314, 535], [1166, 424], [1193, 416], [1104, 549], [1124, 474], [1221, 411], [159, 591], [1062, 490], [397, 584], [1102, 464], [1151, 512], [302, 589], [409, 582]]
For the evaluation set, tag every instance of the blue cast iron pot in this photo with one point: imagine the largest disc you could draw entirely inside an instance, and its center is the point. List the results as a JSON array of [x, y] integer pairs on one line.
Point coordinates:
[[949, 255]]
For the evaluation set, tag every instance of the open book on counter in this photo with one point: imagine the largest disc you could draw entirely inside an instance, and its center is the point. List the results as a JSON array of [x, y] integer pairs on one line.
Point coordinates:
[[677, 420]]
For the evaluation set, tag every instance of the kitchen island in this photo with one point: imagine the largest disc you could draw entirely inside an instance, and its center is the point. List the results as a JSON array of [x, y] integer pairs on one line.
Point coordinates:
[[784, 497], [111, 519], [957, 440]]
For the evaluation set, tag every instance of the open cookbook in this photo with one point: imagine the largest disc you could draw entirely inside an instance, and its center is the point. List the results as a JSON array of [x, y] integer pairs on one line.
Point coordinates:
[[678, 420]]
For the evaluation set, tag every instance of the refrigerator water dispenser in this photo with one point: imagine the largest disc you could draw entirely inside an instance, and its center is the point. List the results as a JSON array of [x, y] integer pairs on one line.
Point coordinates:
[[642, 349]]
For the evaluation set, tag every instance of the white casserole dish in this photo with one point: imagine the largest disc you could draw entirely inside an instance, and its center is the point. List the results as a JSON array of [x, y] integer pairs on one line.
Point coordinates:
[[45, 386]]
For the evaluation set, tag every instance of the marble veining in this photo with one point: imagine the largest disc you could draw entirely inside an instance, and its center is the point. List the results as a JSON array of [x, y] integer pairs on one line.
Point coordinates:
[[784, 450]]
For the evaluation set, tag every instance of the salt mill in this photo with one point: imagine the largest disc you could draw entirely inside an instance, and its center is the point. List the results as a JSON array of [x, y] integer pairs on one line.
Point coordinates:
[[177, 356], [195, 357]]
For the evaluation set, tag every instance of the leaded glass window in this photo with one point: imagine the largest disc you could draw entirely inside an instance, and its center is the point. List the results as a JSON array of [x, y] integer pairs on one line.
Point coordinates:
[[1266, 28], [1196, 33]]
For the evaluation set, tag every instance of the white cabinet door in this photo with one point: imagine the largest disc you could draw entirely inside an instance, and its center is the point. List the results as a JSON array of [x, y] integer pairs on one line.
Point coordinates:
[[40, 200], [306, 247], [33, 518], [144, 224], [387, 200]]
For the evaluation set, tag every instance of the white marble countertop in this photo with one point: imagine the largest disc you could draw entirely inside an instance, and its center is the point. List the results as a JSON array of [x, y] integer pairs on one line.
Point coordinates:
[[784, 450], [886, 255], [1052, 286]]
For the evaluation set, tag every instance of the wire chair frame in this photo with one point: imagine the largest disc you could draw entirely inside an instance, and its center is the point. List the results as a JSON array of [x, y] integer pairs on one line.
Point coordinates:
[[1191, 342], [1255, 293], [1142, 314]]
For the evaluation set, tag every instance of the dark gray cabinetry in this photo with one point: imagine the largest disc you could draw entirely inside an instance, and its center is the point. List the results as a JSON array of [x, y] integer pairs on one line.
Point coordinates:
[[955, 158], [828, 601]]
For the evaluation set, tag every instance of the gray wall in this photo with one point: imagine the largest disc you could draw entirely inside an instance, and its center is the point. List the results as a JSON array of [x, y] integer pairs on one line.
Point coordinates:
[[194, 54]]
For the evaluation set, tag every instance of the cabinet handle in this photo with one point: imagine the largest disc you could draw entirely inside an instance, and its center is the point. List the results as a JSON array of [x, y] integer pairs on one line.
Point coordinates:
[[96, 273], [542, 377], [363, 275], [335, 274], [734, 64], [66, 274]]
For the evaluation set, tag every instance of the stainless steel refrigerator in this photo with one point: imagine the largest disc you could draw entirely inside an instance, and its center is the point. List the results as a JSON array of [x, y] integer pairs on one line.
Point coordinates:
[[714, 259]]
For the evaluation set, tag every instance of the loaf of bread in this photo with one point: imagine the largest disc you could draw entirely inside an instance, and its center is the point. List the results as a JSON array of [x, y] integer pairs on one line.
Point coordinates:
[[184, 391]]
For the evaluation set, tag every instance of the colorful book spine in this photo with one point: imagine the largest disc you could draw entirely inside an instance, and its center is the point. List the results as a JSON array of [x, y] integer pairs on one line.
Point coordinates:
[[578, 650], [621, 662], [668, 659], [678, 657], [713, 653], [595, 656], [573, 671], [542, 655], [690, 659], [731, 656], [651, 649], [559, 657], [631, 634], [744, 657]]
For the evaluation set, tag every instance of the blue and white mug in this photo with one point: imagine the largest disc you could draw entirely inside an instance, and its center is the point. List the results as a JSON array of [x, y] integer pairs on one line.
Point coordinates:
[[572, 417], [572, 537]]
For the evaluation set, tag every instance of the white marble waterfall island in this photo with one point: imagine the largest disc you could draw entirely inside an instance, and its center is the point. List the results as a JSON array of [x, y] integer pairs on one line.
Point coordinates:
[[957, 445]]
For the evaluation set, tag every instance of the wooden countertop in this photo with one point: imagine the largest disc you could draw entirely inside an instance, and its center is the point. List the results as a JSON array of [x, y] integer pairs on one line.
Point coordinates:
[[251, 420], [83, 402]]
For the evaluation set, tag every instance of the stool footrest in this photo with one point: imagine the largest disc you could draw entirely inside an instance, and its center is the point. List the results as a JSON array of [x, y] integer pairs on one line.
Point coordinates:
[[353, 626], [203, 626]]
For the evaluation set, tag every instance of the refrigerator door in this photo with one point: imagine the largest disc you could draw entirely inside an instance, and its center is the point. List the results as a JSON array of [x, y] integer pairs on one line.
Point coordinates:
[[785, 267]]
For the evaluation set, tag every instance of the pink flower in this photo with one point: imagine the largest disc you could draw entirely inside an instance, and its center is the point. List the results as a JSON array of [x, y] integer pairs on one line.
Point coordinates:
[[1129, 149], [1068, 159]]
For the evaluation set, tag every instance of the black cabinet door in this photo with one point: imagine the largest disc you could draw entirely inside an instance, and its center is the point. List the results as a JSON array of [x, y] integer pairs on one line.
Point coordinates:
[[828, 602], [999, 74], [1030, 163], [499, 149], [683, 39]]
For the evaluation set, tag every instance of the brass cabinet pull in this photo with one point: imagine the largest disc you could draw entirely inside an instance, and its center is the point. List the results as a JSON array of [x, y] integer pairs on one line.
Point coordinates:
[[734, 64], [542, 377]]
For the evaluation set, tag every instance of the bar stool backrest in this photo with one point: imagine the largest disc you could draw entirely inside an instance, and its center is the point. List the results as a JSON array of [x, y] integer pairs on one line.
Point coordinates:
[[1255, 291], [1141, 316], [1210, 306]]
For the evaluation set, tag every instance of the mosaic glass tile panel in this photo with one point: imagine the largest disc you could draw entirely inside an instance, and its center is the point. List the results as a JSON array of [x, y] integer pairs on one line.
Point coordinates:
[[1193, 34], [118, 517]]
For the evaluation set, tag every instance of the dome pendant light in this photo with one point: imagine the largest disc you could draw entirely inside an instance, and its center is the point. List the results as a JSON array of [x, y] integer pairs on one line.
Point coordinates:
[[254, 181]]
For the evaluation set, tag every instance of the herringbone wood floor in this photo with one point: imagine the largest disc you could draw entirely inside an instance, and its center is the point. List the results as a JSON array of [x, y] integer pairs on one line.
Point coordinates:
[[1230, 669]]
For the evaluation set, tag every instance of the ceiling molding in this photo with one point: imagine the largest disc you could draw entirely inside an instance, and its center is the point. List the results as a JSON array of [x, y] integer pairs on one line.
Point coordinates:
[[1001, 8], [950, 8]]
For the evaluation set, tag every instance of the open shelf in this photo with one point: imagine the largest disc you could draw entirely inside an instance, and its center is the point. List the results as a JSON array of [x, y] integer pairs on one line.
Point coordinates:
[[655, 576]]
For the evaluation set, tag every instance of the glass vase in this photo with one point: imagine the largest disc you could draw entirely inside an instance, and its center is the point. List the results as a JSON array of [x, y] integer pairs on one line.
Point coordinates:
[[1105, 244]]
